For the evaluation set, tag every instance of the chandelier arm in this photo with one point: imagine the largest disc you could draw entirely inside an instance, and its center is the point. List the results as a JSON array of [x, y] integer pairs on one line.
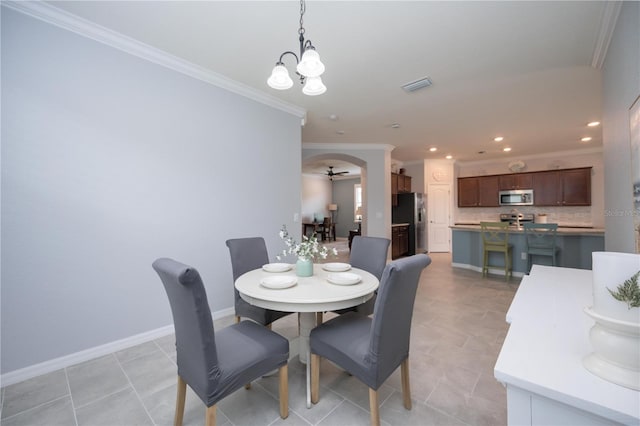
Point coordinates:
[[288, 52]]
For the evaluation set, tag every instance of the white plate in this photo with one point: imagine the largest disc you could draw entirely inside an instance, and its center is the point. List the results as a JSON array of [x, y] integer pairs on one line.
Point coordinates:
[[344, 278], [336, 267], [279, 281], [276, 267]]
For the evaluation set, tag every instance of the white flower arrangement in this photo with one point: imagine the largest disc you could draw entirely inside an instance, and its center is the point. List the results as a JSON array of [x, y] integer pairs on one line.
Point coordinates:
[[308, 249]]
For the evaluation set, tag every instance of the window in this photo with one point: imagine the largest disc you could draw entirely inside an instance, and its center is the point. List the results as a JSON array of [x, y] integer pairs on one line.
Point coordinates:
[[357, 202]]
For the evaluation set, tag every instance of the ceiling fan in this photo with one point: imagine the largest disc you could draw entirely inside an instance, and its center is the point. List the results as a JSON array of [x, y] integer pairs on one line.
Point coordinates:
[[331, 173]]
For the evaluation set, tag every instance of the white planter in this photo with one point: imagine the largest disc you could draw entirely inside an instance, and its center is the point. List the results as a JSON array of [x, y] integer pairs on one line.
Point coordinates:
[[616, 335]]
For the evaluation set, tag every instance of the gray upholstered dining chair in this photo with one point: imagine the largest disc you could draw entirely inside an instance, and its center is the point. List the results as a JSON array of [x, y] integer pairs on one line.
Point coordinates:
[[370, 254], [215, 364], [372, 348], [248, 254]]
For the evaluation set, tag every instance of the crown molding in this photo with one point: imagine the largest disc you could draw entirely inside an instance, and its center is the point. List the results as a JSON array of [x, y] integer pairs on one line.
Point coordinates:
[[62, 19], [349, 146], [607, 25], [556, 154]]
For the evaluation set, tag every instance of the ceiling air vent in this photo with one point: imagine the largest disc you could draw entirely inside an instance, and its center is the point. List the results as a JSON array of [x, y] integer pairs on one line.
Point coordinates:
[[417, 85]]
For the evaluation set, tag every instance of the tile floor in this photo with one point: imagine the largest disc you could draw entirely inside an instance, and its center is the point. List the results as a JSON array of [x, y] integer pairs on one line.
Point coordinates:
[[458, 328]]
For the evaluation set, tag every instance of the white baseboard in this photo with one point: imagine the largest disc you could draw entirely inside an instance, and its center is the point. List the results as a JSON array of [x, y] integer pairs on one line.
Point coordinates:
[[49, 366]]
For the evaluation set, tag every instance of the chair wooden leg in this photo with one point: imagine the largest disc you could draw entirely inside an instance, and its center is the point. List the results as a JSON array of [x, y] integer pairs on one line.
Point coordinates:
[[210, 419], [373, 407], [318, 318], [180, 398], [315, 378], [247, 386], [406, 386], [283, 375], [507, 265], [485, 259], [237, 319]]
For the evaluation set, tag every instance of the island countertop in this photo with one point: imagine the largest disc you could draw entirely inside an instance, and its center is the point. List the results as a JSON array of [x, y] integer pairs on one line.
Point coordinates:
[[541, 358], [562, 230]]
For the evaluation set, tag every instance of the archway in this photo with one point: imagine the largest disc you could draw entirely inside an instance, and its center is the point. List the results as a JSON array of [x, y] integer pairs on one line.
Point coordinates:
[[375, 164], [343, 192]]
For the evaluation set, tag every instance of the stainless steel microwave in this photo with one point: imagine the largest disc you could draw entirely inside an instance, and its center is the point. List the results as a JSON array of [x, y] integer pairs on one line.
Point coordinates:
[[519, 197]]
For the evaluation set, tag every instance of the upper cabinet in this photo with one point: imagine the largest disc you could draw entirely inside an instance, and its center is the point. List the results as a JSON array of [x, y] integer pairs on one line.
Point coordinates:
[[481, 191], [400, 183], [515, 181], [546, 191], [468, 192], [568, 187]]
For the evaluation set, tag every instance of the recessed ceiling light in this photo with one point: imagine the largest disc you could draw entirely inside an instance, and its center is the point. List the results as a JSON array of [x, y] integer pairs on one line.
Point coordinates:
[[449, 157], [593, 124], [433, 149], [395, 126], [506, 149], [498, 139], [586, 139]]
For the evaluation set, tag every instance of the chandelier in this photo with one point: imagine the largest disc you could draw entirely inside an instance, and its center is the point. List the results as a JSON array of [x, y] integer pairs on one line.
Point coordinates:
[[308, 66]]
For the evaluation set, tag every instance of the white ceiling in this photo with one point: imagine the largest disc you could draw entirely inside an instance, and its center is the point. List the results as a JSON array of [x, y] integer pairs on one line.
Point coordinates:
[[517, 69]]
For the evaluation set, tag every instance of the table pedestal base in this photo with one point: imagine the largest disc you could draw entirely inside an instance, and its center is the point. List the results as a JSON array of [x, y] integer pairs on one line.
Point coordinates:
[[307, 322]]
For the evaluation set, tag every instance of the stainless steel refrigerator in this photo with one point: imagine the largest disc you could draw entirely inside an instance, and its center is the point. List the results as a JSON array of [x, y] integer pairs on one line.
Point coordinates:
[[411, 209]]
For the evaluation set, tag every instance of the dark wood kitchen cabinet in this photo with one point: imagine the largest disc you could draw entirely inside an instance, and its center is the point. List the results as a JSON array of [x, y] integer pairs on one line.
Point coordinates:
[[515, 181], [399, 241], [468, 192], [576, 187], [480, 191], [569, 187], [564, 187], [546, 188], [488, 191], [404, 183], [400, 184]]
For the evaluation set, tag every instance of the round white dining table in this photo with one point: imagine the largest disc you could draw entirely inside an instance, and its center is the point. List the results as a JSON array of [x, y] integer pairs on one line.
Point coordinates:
[[308, 296]]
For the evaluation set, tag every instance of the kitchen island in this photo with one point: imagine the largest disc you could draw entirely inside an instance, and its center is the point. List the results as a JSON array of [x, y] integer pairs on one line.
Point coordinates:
[[575, 247]]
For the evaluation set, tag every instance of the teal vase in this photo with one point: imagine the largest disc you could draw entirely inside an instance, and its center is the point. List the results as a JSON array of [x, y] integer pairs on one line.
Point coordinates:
[[304, 267]]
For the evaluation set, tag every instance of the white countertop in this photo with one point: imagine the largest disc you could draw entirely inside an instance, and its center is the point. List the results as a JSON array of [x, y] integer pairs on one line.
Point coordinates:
[[549, 337], [393, 225], [562, 230]]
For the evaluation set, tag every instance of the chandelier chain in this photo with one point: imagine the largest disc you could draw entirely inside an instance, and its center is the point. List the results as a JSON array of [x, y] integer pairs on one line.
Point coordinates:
[[303, 8]]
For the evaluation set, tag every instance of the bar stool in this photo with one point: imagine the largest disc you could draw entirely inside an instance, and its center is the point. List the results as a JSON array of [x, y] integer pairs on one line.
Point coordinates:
[[540, 240], [495, 237]]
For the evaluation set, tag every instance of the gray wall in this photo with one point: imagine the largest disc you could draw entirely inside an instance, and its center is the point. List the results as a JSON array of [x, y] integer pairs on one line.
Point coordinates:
[[621, 87], [343, 194], [109, 162]]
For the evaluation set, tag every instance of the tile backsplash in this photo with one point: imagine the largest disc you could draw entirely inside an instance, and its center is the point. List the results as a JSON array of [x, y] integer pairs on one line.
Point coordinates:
[[563, 216]]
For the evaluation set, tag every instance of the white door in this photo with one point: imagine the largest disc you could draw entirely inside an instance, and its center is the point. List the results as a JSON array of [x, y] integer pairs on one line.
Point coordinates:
[[438, 206]]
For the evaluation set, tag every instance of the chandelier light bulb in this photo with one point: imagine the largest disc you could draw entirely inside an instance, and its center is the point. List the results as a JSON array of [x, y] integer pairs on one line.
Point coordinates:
[[280, 79], [314, 86], [310, 64]]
